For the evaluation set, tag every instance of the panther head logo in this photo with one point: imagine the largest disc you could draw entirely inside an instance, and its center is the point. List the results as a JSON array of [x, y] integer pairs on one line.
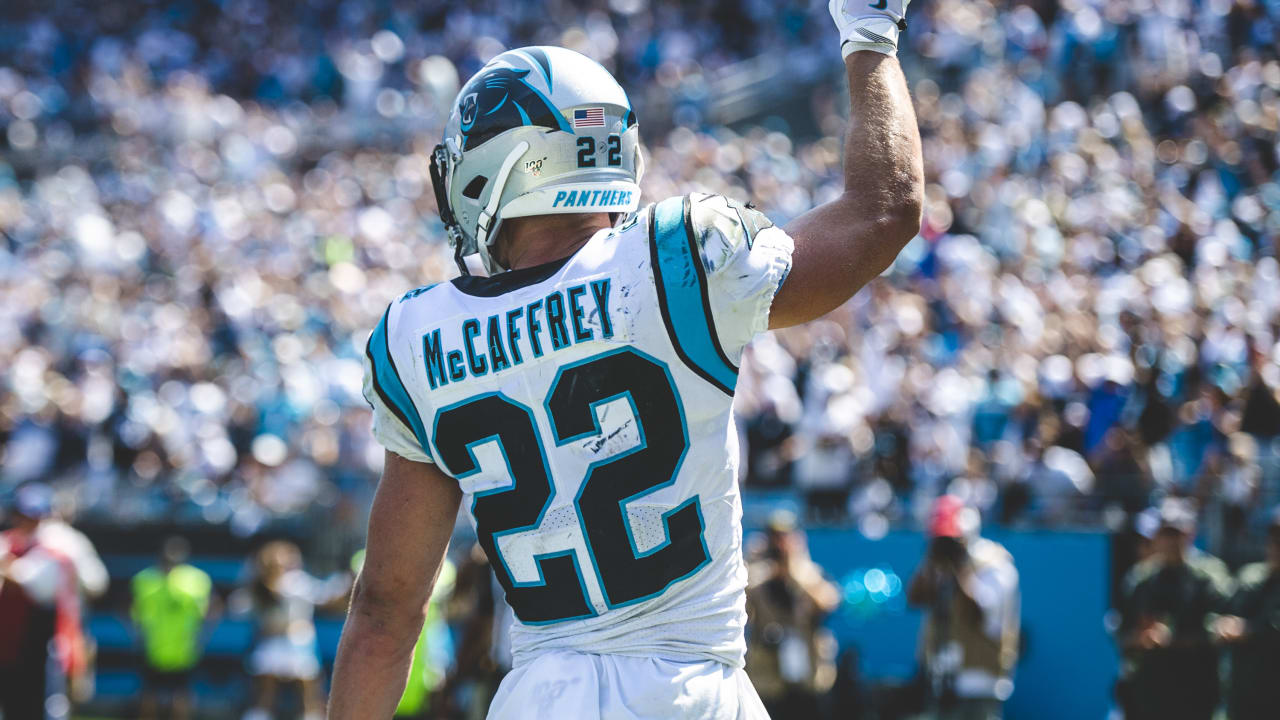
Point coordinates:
[[469, 110], [499, 100]]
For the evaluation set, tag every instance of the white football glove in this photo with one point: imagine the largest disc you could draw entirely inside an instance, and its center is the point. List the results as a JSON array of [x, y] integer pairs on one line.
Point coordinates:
[[869, 24]]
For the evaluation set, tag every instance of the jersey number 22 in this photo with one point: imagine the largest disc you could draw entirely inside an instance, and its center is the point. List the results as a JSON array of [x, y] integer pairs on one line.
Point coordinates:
[[626, 574]]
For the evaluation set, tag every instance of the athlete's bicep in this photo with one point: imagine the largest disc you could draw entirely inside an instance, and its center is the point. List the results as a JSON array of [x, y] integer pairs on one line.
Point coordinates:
[[412, 518], [828, 266]]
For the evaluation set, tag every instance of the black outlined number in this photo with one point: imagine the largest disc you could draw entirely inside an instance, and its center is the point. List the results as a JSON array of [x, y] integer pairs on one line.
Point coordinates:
[[615, 151], [586, 151], [627, 575]]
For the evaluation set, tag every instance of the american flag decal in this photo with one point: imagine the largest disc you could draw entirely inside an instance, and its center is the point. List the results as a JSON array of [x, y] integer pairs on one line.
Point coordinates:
[[588, 117]]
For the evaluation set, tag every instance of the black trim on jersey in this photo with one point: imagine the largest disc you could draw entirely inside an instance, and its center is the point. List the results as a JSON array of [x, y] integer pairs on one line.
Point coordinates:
[[702, 282], [505, 282], [662, 300]]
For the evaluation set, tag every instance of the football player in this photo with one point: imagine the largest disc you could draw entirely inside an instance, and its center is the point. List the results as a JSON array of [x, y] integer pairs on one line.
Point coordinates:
[[576, 400]]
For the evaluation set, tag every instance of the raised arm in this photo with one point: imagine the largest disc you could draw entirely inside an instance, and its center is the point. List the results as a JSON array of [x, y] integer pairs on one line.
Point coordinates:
[[844, 244], [409, 528]]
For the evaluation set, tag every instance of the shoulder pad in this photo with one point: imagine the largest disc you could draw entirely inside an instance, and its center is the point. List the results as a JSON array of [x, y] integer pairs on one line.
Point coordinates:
[[738, 223]]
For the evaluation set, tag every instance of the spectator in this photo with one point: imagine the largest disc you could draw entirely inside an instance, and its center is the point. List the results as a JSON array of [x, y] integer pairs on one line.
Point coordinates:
[[282, 598], [1058, 480], [790, 655], [91, 574], [34, 583], [1170, 602], [1233, 495], [170, 605], [91, 583], [968, 588], [1252, 632], [823, 472], [1261, 413]]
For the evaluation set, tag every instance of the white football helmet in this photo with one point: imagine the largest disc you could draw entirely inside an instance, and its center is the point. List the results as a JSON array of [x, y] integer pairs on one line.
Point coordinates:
[[537, 131]]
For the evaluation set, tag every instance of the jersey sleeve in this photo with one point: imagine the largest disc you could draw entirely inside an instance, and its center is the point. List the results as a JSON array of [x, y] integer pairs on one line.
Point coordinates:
[[717, 265], [396, 422], [746, 258]]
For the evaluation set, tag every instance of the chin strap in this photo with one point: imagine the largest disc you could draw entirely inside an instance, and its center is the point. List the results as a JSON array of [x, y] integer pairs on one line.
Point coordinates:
[[486, 224], [460, 260], [439, 172]]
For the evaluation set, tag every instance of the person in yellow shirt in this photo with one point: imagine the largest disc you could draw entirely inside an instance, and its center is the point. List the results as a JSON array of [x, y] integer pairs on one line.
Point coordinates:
[[170, 604]]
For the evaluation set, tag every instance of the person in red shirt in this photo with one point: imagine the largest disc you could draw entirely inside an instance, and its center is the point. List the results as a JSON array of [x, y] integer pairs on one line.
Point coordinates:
[[31, 576]]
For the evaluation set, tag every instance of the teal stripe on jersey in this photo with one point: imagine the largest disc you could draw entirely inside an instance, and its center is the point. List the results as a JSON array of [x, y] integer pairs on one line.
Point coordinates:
[[682, 294], [386, 380]]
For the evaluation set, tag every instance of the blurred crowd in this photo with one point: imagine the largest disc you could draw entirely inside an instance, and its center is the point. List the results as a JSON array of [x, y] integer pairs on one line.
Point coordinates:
[[204, 207], [1089, 319]]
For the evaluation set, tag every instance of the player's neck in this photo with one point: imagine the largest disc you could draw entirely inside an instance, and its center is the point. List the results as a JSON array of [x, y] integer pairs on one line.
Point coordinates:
[[531, 241]]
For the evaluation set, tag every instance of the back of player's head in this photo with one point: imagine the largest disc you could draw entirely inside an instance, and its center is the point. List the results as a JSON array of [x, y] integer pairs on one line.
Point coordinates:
[[537, 131]]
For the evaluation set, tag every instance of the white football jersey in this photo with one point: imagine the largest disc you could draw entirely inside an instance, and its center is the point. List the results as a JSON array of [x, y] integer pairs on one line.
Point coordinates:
[[585, 408]]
